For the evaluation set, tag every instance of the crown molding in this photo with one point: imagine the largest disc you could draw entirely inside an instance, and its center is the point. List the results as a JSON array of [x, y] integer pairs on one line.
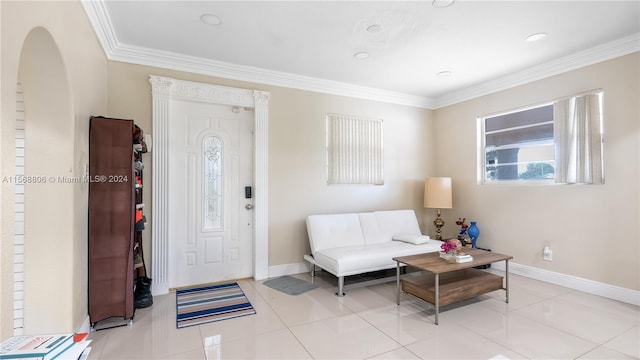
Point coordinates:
[[169, 60], [101, 23], [607, 51], [114, 50]]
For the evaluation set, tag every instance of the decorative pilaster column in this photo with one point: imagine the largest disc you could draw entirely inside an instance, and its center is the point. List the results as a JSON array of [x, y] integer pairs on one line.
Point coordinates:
[[261, 231], [161, 89]]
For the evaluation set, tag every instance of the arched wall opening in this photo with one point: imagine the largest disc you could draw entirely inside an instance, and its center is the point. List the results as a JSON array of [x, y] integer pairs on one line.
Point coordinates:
[[48, 197]]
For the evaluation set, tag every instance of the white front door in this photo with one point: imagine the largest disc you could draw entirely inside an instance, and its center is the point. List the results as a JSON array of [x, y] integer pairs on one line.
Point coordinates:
[[210, 218]]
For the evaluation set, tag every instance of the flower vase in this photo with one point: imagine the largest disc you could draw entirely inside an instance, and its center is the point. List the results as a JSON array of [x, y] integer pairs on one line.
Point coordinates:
[[451, 256], [473, 232]]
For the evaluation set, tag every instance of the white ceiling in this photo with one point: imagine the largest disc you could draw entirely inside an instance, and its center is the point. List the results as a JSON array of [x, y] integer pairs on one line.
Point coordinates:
[[311, 44]]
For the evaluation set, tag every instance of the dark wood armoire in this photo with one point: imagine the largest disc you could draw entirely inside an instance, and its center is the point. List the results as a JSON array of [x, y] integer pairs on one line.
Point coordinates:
[[110, 223]]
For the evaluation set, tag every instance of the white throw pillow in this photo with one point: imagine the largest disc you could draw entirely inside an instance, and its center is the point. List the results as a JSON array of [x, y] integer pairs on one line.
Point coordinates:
[[411, 238]]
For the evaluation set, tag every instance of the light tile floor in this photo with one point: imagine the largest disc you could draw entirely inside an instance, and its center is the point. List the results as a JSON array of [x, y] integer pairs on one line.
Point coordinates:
[[541, 321]]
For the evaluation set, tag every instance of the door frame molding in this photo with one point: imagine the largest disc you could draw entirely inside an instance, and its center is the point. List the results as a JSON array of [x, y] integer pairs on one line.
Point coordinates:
[[166, 90]]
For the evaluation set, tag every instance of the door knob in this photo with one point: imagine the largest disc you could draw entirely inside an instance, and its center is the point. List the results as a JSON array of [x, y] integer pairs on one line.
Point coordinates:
[[248, 206]]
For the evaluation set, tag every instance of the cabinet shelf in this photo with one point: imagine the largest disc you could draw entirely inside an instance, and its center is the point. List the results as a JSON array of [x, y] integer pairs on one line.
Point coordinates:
[[110, 225]]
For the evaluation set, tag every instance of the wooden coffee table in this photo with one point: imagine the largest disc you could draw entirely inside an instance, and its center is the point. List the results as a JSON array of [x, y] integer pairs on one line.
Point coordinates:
[[448, 282]]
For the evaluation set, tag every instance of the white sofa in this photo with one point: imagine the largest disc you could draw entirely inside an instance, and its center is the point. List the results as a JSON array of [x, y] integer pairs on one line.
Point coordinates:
[[357, 243]]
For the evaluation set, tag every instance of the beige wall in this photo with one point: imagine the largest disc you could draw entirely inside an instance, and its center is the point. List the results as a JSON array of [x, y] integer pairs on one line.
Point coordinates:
[[297, 171], [297, 165], [580, 223], [53, 47], [592, 229]]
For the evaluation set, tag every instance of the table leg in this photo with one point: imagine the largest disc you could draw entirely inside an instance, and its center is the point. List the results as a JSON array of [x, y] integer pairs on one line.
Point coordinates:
[[398, 282], [437, 296], [506, 277]]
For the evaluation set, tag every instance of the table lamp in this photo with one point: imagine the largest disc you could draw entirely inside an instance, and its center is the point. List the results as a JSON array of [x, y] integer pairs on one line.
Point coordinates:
[[437, 195]]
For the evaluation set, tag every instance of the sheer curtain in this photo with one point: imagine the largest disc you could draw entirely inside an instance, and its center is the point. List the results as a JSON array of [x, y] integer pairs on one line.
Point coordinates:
[[578, 139]]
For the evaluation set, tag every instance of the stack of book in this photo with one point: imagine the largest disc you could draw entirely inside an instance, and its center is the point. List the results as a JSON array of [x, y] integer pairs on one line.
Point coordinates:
[[463, 258], [46, 347], [458, 258]]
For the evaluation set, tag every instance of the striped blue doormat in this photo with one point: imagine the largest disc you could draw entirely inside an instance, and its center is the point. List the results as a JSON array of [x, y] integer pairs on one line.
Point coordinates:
[[200, 305]]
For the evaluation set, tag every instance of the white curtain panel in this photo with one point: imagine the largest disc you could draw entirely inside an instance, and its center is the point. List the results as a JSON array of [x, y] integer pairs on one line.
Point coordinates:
[[354, 150], [578, 139]]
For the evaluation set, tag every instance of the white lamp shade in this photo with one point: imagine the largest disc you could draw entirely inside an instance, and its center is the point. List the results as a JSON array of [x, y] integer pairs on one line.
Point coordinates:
[[437, 193]]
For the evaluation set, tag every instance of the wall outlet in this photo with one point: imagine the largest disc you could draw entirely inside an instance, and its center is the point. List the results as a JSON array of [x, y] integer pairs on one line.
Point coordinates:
[[547, 254]]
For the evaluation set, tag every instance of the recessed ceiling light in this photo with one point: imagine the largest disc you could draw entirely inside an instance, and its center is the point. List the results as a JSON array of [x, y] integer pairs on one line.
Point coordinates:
[[374, 28], [442, 3], [361, 55], [444, 73], [210, 19], [535, 37]]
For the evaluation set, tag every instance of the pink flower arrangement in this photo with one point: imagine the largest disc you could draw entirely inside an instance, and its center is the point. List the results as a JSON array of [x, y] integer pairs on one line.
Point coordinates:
[[451, 245]]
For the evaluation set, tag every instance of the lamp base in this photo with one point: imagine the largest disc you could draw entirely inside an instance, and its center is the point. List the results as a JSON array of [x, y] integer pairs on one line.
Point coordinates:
[[439, 223]]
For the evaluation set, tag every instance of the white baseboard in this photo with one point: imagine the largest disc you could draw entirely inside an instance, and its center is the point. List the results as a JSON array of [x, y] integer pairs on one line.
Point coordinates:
[[288, 269], [86, 326], [573, 282]]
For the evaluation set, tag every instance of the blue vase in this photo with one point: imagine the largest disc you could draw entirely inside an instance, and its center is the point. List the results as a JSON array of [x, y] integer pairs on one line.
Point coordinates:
[[473, 232]]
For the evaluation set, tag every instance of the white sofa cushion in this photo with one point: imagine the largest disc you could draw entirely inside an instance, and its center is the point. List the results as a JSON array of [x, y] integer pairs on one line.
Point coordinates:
[[380, 226], [370, 229], [351, 260], [411, 238], [334, 231], [397, 221]]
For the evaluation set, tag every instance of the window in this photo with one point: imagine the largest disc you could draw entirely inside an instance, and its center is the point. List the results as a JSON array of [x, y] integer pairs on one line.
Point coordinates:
[[519, 145], [354, 150], [556, 142], [212, 183]]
